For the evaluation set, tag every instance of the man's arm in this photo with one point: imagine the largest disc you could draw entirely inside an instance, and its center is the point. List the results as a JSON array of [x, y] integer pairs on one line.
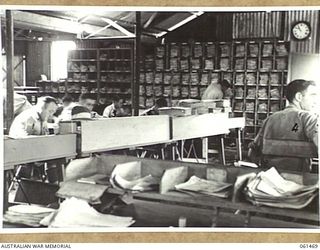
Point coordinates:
[[310, 126]]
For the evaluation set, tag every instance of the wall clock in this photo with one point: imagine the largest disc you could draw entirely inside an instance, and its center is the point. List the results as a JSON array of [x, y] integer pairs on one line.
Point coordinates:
[[301, 30]]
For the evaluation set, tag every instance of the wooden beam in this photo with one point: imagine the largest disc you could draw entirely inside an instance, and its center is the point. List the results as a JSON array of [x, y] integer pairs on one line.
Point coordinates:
[[137, 49], [10, 69], [47, 23]]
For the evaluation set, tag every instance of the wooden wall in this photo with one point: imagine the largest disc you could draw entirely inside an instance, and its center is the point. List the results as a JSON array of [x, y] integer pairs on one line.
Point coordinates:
[[38, 61]]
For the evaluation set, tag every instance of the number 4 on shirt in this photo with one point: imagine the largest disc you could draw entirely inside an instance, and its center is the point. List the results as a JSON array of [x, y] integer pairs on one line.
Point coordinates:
[[295, 127]]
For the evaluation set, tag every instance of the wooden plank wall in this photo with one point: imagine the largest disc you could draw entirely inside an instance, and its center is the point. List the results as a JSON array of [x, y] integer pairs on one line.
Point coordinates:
[[38, 61], [312, 44], [255, 25]]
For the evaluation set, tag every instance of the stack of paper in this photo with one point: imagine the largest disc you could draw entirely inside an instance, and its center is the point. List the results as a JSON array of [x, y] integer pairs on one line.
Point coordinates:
[[239, 64], [195, 63], [197, 50], [251, 93], [158, 90], [204, 79], [29, 215], [176, 91], [208, 64], [214, 78], [173, 63], [267, 50], [275, 93], [185, 79], [239, 92], [167, 90], [281, 63], [250, 106], [269, 188], [76, 213], [194, 78], [158, 78], [167, 78], [149, 102], [225, 50], [159, 64], [281, 50], [252, 64], [239, 79], [238, 106], [210, 50], [142, 89], [184, 64], [274, 79], [224, 64], [251, 79], [174, 50], [263, 107], [149, 90], [149, 77], [240, 50], [175, 78], [253, 50], [266, 64], [263, 79], [194, 92], [160, 51], [185, 50], [128, 176], [262, 93], [207, 187], [184, 91]]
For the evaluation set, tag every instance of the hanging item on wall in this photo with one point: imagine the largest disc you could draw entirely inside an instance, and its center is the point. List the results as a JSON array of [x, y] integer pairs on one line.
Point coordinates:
[[301, 30]]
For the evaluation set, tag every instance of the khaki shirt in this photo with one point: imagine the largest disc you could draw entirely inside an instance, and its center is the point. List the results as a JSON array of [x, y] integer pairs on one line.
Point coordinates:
[[27, 123], [288, 139]]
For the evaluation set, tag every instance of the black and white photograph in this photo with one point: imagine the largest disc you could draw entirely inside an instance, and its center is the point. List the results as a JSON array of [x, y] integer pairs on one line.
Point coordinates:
[[145, 118]]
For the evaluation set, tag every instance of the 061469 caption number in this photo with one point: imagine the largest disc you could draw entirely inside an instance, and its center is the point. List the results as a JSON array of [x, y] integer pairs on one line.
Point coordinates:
[[313, 246]]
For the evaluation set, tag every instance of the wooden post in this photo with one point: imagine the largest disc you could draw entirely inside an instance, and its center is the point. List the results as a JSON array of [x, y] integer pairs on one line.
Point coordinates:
[[137, 48], [10, 69]]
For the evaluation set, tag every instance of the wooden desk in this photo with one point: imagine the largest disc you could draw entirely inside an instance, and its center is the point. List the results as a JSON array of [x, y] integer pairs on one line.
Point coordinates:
[[105, 164], [119, 133]]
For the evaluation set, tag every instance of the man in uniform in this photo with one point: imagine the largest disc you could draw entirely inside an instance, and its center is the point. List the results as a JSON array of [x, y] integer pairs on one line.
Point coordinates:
[[289, 138]]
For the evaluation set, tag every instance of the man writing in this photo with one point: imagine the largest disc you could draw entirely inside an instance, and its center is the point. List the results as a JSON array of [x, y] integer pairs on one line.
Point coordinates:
[[217, 91], [289, 138]]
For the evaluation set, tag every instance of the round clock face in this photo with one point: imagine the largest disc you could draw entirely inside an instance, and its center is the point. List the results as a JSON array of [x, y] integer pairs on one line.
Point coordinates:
[[301, 30]]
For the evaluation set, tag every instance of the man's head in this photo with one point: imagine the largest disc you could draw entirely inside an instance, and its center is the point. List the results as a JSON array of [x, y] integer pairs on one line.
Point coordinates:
[[47, 106], [117, 101], [67, 100], [303, 94], [87, 100], [226, 88]]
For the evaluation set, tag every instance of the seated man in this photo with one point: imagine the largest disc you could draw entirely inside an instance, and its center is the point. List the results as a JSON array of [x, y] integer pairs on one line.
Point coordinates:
[[115, 109], [289, 138]]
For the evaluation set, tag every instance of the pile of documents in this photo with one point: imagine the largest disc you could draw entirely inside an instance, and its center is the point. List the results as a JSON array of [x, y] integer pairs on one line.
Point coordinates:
[[174, 50], [184, 64], [175, 78], [262, 93], [195, 63], [251, 79], [76, 213], [167, 90], [128, 176], [160, 51], [207, 187], [142, 89], [167, 78], [185, 79], [214, 78], [158, 90], [252, 64], [251, 93], [263, 79], [239, 79], [267, 50], [197, 50], [250, 106], [274, 79], [194, 92], [238, 106], [29, 215], [275, 93], [269, 188], [149, 102], [281, 63], [266, 64], [176, 91], [210, 50], [240, 50], [208, 64], [225, 50], [149, 77], [204, 79], [159, 64], [194, 78], [158, 78], [184, 91], [173, 64], [253, 50], [149, 90], [239, 64], [263, 107], [224, 63], [281, 50], [185, 50], [239, 92]]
